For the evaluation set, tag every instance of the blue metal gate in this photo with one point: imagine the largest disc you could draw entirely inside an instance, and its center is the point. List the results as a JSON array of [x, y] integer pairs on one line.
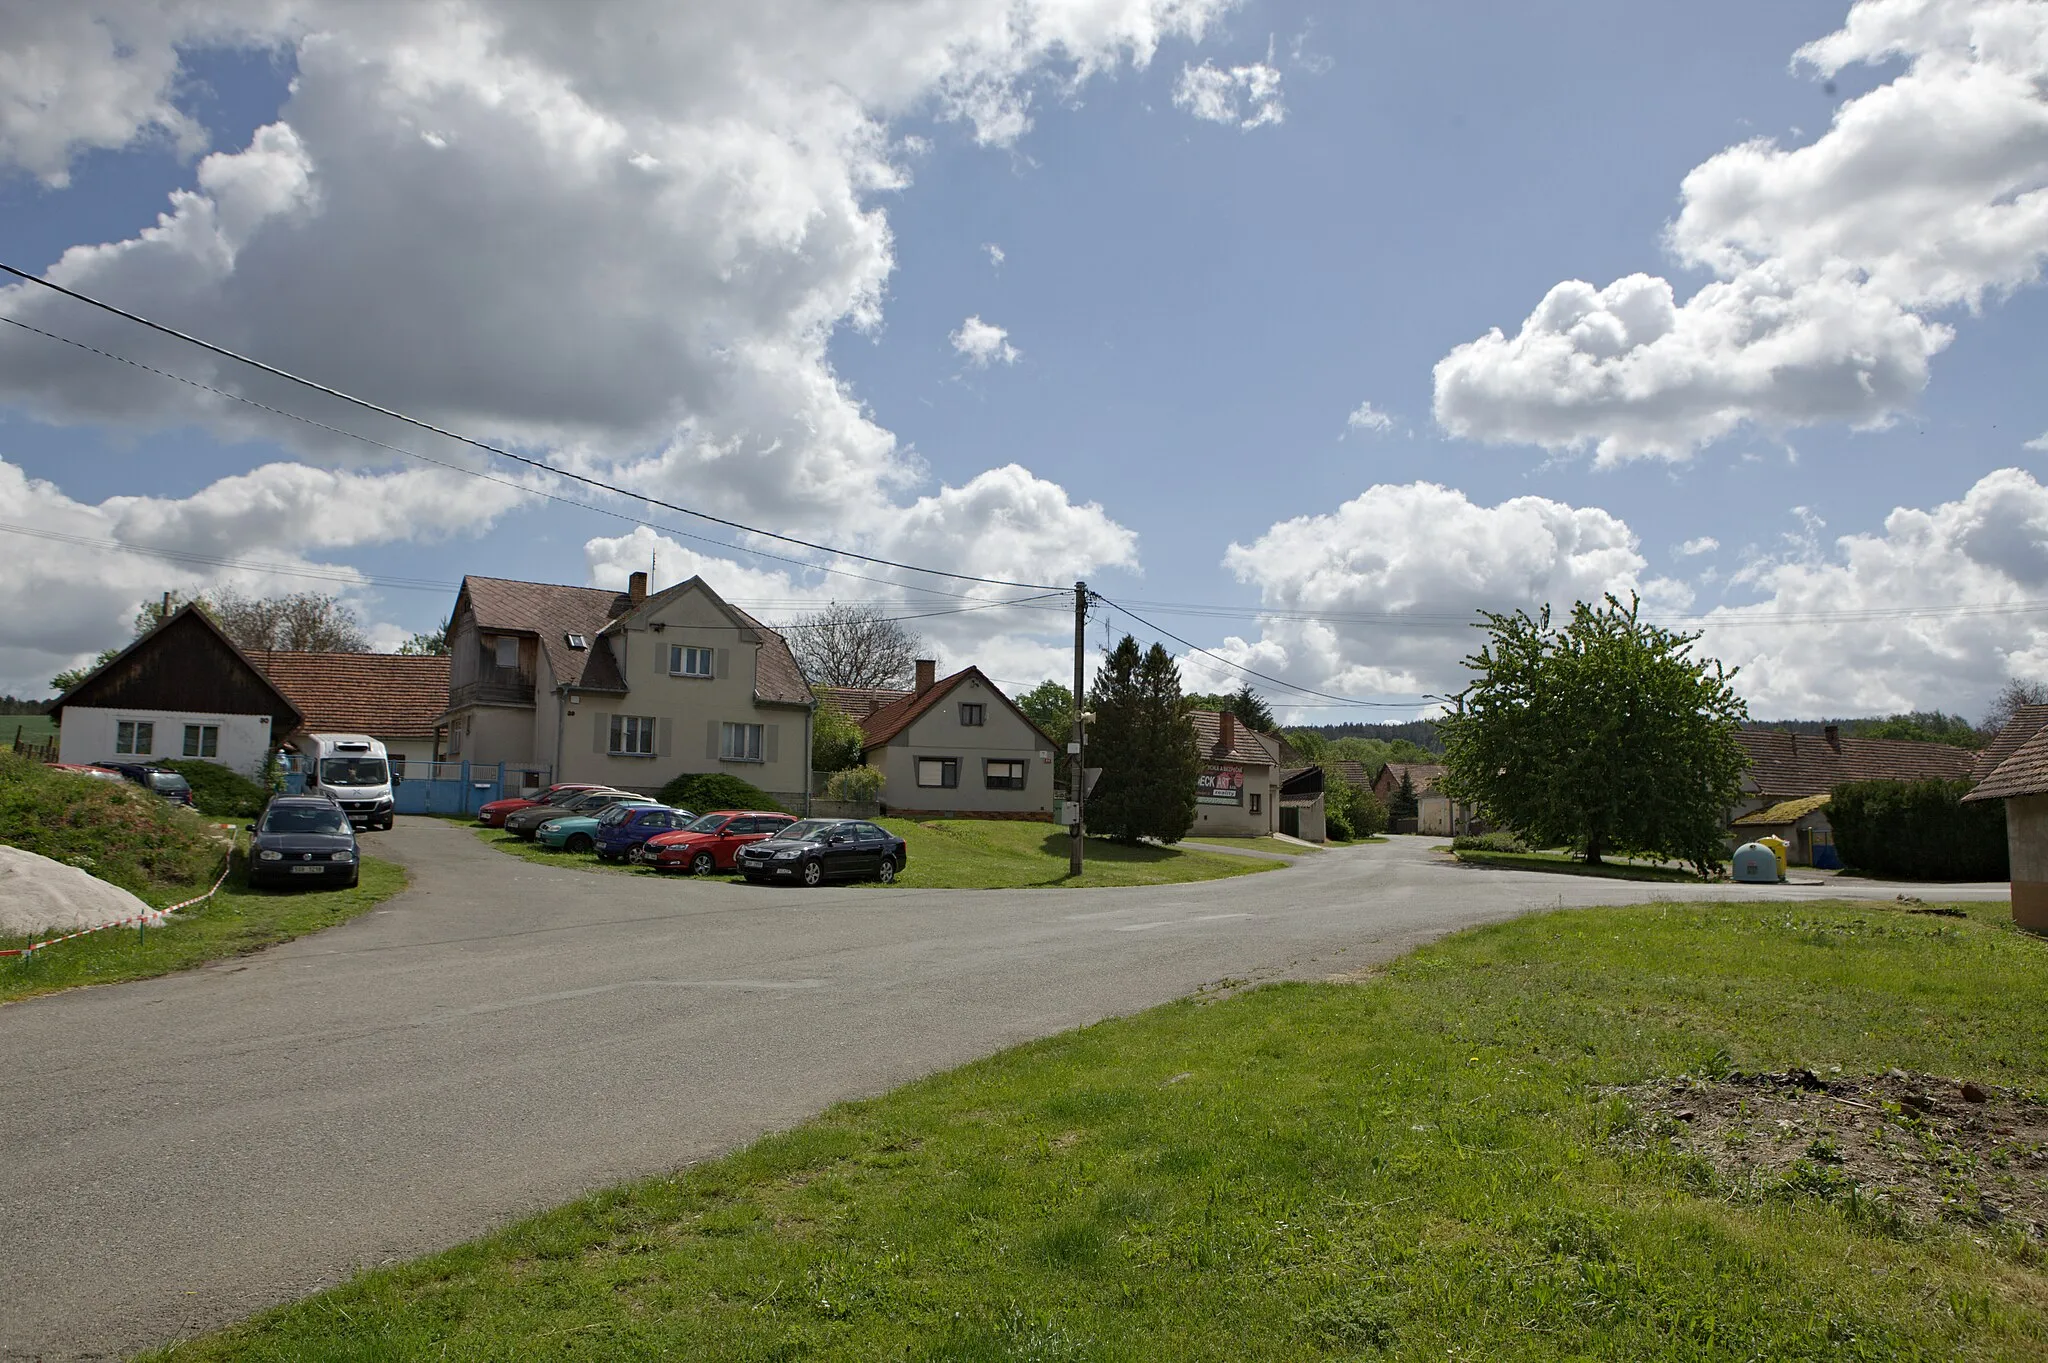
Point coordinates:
[[459, 787]]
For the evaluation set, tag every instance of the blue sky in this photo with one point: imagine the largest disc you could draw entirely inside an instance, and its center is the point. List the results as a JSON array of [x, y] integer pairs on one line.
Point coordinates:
[[1195, 309]]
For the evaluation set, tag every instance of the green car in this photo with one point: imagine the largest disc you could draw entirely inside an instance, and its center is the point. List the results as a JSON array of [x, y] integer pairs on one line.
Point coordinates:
[[578, 832]]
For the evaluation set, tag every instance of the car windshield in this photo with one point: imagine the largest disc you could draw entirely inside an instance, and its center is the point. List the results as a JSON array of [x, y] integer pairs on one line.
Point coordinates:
[[710, 823], [168, 781], [807, 830], [618, 814], [305, 819], [353, 771]]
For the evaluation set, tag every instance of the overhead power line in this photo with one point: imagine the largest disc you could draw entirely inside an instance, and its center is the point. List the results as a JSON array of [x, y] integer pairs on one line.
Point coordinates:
[[501, 453]]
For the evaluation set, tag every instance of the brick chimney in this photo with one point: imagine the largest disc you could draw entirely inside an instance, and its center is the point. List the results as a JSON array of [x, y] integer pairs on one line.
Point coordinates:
[[927, 674], [1228, 723], [1833, 734], [636, 588]]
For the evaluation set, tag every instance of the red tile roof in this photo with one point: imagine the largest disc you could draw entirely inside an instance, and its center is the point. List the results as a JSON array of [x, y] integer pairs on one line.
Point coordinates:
[[1422, 776], [886, 723], [858, 702], [2026, 721], [1785, 766], [361, 693], [2023, 773], [1251, 745]]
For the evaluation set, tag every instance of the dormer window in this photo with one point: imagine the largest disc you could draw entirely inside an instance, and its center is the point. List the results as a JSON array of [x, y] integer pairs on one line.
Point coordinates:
[[578, 641]]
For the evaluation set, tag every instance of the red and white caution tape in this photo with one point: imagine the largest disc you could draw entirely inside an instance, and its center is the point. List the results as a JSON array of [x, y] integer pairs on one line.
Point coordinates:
[[151, 918]]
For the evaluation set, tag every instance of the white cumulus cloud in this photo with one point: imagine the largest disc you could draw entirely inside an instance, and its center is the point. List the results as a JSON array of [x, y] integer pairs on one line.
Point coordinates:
[[1831, 260], [1248, 95], [1693, 548], [1368, 418], [982, 344]]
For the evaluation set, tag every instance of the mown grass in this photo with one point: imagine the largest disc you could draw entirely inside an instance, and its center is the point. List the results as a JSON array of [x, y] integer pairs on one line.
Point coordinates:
[[234, 922], [1426, 1164], [1563, 864], [977, 854]]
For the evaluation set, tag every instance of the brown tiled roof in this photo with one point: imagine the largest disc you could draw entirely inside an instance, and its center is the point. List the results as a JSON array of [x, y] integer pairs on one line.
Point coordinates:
[[1786, 766], [552, 613], [361, 693], [2026, 721], [777, 678], [1422, 776], [1352, 772], [858, 702], [884, 724], [1251, 745], [2023, 773]]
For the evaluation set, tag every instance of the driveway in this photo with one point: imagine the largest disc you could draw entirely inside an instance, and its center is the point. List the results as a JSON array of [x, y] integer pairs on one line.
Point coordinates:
[[182, 1152]]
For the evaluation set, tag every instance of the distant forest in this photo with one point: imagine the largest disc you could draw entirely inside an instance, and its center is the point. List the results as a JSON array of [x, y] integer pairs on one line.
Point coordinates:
[[1420, 732], [17, 705]]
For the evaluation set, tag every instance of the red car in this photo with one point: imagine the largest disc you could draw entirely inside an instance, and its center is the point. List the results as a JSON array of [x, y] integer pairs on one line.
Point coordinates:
[[708, 844], [493, 814]]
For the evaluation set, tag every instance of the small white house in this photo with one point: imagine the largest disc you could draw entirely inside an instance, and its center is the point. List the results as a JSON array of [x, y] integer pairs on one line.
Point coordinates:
[[183, 690]]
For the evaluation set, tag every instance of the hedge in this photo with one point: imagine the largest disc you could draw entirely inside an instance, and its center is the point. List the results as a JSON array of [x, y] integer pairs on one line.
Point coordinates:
[[709, 792], [1918, 830]]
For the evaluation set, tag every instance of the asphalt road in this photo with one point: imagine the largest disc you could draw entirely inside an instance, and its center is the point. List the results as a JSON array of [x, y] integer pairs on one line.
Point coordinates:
[[178, 1153]]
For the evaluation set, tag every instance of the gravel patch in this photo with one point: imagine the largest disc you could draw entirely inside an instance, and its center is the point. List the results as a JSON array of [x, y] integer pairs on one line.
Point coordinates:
[[38, 895]]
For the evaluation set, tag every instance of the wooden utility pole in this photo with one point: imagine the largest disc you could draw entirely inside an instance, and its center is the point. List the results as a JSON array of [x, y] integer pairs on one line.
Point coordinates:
[[1076, 777]]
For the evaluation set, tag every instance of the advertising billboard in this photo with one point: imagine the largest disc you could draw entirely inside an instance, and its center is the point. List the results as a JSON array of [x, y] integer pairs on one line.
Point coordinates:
[[1220, 786]]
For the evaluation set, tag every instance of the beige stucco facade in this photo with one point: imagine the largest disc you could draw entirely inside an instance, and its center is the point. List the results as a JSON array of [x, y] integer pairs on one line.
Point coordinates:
[[2026, 836], [938, 737], [1257, 811]]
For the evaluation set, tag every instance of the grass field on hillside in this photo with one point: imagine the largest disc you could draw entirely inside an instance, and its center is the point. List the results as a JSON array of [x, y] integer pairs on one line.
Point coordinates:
[[30, 728], [234, 922], [1448, 1158], [978, 854]]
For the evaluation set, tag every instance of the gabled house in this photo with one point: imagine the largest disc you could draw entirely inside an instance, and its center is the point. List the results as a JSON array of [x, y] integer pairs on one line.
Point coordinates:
[[2015, 770], [181, 690], [1787, 771], [393, 697], [1238, 792], [625, 688], [957, 747]]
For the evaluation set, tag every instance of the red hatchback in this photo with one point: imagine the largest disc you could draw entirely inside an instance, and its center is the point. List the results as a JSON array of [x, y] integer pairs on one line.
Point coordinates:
[[708, 844], [493, 814]]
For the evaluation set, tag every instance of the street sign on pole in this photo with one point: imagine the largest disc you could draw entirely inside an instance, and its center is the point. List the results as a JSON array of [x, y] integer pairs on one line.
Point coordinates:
[[1089, 776]]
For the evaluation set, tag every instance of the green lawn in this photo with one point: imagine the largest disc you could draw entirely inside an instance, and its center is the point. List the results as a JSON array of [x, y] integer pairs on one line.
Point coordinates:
[[980, 854], [1560, 863], [234, 922], [32, 728], [1430, 1162]]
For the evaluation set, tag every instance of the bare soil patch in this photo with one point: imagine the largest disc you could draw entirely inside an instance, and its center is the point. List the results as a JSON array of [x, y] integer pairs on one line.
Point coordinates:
[[1913, 1146]]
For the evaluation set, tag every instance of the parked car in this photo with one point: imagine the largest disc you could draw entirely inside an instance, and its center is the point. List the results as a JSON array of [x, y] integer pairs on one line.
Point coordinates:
[[816, 850], [162, 780], [306, 840], [493, 814], [709, 844], [578, 832], [620, 839], [526, 822]]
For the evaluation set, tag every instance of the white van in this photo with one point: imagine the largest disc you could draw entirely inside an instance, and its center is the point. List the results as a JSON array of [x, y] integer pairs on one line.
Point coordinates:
[[354, 771]]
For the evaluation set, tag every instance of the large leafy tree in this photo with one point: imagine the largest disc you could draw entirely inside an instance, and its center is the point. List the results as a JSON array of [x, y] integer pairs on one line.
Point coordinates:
[[837, 740], [1050, 706], [1606, 734], [298, 622], [1145, 744]]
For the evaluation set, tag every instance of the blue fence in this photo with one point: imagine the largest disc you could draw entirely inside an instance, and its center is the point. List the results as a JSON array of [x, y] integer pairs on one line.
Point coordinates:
[[448, 787]]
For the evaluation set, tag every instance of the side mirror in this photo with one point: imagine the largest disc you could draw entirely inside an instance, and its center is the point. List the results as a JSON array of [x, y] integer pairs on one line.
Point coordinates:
[[248, 828]]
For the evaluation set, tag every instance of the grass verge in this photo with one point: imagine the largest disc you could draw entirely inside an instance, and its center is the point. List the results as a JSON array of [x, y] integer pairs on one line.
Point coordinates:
[[1263, 842], [234, 922], [979, 854], [1432, 1163], [1559, 863]]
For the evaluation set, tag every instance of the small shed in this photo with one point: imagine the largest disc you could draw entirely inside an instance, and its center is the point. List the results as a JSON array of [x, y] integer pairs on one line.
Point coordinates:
[[1803, 826], [2021, 780], [1303, 811]]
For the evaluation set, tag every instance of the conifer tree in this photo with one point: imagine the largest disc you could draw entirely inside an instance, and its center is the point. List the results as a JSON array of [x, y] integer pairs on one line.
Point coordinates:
[[1145, 746], [1404, 805], [1174, 762]]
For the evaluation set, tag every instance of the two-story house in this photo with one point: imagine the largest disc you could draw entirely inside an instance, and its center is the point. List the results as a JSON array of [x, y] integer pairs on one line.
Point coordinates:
[[625, 688]]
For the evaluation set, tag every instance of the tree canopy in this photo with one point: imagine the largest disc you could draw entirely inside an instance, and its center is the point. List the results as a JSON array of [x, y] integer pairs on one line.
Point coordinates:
[[297, 622], [2015, 693], [1144, 742], [847, 644], [1050, 706], [1606, 734], [837, 740]]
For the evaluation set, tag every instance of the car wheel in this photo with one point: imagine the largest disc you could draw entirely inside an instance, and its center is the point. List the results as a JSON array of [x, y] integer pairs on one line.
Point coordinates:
[[580, 842], [703, 864], [814, 873], [886, 872]]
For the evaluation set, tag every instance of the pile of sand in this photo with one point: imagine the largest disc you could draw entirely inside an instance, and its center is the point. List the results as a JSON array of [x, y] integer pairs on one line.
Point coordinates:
[[40, 896]]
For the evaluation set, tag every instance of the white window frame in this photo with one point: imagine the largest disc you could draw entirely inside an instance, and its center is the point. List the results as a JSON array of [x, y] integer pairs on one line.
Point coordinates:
[[201, 740], [688, 660], [141, 737], [741, 742], [631, 736], [973, 714], [1005, 782], [948, 767]]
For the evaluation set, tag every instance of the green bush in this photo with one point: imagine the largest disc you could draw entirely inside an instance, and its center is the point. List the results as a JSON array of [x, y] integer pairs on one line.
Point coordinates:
[[707, 792], [1336, 826], [855, 784], [1500, 840], [1918, 830], [219, 792], [114, 830]]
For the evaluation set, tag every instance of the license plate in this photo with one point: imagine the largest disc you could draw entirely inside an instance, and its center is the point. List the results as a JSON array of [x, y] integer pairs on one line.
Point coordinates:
[[307, 870]]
